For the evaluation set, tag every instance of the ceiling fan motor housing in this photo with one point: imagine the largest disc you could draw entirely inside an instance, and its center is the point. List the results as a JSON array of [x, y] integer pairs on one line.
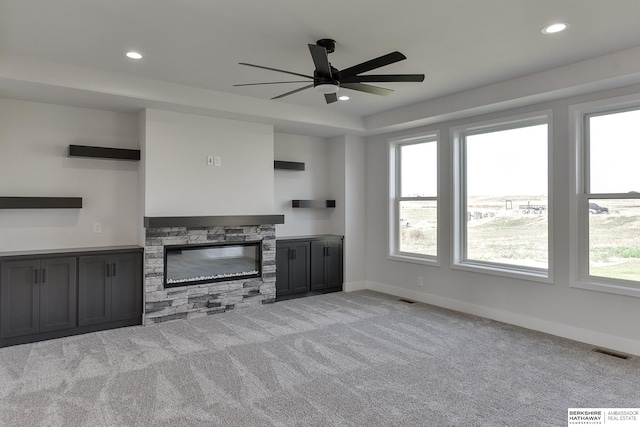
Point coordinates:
[[328, 44]]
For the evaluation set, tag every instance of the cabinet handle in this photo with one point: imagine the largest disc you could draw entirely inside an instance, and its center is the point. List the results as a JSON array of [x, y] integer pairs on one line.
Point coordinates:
[[44, 275], [293, 254], [36, 275]]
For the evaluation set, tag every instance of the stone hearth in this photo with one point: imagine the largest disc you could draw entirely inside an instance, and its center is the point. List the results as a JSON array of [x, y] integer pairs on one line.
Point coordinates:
[[198, 300]]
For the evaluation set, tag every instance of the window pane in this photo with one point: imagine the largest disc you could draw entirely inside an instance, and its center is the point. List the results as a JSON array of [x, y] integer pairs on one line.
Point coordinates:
[[419, 170], [614, 238], [614, 146], [418, 227], [506, 197]]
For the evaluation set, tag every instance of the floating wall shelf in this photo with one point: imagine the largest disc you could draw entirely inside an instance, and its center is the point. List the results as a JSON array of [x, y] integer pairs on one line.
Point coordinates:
[[40, 202], [292, 166], [313, 203], [104, 152]]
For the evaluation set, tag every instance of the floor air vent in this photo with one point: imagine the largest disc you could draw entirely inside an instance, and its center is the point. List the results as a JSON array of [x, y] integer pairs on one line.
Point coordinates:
[[611, 353], [407, 301]]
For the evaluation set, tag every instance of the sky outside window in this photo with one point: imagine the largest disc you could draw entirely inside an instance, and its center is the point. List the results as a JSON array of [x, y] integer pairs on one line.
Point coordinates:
[[419, 172], [614, 146], [508, 163]]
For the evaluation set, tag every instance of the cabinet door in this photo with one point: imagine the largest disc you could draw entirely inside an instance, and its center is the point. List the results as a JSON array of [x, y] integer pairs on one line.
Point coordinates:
[[126, 286], [57, 294], [283, 282], [333, 264], [19, 298], [326, 264], [292, 267], [318, 254], [299, 267], [94, 290]]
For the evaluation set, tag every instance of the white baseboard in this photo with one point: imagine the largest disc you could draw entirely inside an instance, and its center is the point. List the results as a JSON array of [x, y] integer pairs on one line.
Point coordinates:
[[597, 339], [354, 286]]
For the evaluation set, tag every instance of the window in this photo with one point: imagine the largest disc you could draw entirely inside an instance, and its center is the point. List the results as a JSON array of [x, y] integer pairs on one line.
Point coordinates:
[[502, 197], [610, 201], [413, 223]]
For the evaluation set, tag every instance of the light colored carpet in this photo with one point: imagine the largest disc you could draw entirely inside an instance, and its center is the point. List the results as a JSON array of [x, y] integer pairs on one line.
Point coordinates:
[[341, 359]]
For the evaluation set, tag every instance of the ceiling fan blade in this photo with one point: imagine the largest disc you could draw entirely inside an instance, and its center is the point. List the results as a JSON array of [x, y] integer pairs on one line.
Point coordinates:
[[292, 92], [385, 78], [320, 59], [367, 88], [271, 83], [275, 69], [387, 59], [330, 97]]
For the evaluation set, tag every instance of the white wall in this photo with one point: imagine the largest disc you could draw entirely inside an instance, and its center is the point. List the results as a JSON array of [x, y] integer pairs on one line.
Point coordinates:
[[142, 138], [337, 170], [594, 317], [347, 178], [356, 215], [310, 184], [179, 182], [34, 141]]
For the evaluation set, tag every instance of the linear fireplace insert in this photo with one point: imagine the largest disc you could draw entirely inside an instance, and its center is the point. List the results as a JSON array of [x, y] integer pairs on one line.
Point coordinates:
[[211, 262]]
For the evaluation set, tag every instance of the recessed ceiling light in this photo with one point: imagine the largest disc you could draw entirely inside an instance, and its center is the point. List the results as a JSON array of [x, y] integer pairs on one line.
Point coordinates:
[[133, 55], [343, 98], [555, 28]]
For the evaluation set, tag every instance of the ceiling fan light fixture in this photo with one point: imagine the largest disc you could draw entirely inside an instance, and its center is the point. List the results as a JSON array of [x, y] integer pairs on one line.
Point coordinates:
[[326, 88]]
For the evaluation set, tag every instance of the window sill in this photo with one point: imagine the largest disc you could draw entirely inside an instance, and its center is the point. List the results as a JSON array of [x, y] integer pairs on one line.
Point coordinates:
[[610, 288], [533, 276], [434, 262]]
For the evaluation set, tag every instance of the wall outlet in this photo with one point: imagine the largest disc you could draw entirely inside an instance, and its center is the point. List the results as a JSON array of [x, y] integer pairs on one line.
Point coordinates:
[[420, 282], [210, 160], [97, 227], [218, 161]]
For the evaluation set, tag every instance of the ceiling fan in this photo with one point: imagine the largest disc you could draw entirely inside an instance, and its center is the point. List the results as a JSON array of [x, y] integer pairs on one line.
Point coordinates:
[[328, 80]]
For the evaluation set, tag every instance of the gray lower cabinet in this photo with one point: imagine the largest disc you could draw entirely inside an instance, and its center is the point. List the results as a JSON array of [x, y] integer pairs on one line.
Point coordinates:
[[308, 265], [326, 264], [37, 296], [109, 288], [292, 267], [50, 295]]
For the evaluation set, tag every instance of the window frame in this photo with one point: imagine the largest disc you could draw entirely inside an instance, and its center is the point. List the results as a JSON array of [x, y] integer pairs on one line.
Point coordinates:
[[395, 198], [459, 260], [581, 194]]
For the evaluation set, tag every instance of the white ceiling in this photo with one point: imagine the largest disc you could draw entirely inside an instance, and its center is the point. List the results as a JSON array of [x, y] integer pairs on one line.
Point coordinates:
[[458, 44]]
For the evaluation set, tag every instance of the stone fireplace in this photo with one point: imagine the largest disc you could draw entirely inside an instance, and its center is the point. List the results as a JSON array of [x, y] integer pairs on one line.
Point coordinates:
[[215, 264]]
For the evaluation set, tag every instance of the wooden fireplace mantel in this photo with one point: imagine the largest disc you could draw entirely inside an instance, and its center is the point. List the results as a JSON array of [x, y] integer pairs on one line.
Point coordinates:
[[211, 221]]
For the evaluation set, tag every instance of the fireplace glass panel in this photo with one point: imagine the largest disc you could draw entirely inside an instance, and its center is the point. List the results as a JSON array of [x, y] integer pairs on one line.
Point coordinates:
[[193, 264]]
